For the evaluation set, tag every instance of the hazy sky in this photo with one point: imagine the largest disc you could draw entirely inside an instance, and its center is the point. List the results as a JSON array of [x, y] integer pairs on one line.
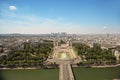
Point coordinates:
[[72, 16]]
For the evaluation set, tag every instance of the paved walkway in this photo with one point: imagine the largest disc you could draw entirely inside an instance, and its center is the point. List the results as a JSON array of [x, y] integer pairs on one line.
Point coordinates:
[[65, 71]]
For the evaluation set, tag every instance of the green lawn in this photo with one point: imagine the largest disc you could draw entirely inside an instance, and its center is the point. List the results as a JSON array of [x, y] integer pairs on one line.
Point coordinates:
[[38, 74]]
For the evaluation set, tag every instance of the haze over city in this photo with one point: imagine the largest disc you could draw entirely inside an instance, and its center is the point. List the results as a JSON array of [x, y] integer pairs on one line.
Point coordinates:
[[71, 16]]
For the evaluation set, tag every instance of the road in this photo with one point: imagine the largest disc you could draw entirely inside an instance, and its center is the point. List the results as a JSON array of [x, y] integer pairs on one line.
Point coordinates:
[[65, 72]]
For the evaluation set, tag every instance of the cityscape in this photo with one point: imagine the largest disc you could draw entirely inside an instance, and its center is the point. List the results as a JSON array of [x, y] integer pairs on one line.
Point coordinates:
[[59, 50], [59, 40]]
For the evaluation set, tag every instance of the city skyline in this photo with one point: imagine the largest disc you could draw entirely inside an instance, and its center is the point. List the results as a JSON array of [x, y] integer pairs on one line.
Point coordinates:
[[47, 16]]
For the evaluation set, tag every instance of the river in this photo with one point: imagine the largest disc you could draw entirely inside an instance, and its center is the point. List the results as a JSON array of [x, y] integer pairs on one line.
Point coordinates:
[[53, 74]]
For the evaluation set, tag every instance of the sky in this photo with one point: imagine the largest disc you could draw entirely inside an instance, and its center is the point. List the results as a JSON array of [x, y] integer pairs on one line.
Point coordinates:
[[48, 16]]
